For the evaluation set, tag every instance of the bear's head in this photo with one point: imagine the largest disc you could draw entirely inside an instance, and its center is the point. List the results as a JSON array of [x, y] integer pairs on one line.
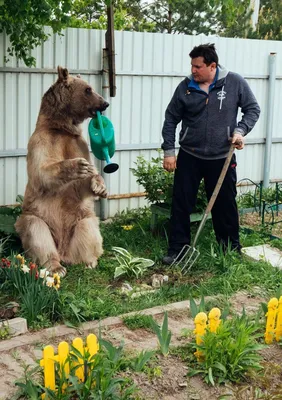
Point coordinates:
[[72, 97]]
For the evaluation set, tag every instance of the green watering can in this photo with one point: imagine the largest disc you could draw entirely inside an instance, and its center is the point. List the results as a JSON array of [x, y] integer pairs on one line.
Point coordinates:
[[102, 141]]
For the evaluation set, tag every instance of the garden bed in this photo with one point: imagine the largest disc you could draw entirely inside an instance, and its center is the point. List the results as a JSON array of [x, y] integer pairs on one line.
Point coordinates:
[[89, 295], [254, 220], [163, 377]]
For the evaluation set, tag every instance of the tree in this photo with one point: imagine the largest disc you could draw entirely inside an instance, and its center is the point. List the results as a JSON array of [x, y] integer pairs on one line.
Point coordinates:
[[92, 14], [181, 16], [24, 20], [270, 20], [234, 18]]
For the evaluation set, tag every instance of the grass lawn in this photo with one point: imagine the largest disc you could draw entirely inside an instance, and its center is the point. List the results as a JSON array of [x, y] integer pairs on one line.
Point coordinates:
[[95, 294]]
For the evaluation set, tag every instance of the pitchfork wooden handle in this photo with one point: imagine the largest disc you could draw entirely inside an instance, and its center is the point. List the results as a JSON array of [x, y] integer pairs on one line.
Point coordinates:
[[220, 179], [215, 193]]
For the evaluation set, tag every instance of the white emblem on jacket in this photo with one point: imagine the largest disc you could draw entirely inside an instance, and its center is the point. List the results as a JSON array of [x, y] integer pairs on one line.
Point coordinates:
[[221, 96]]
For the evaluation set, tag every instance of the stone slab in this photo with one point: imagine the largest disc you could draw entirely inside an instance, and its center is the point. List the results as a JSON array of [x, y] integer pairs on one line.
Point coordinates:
[[17, 326], [265, 253]]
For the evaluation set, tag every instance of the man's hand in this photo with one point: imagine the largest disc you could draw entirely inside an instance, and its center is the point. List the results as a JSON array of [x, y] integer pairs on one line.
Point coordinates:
[[169, 163], [238, 140]]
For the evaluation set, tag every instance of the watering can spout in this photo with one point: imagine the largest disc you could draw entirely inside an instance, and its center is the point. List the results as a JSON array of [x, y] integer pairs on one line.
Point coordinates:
[[102, 141]]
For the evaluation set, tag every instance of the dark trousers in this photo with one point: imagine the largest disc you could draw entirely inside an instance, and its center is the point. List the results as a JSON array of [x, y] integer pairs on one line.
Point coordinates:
[[188, 175]]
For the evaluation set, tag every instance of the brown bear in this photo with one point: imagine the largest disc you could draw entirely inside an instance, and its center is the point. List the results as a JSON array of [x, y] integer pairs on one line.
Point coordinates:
[[58, 222]]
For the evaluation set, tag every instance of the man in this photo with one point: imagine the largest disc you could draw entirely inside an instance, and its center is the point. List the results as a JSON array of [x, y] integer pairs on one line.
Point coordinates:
[[207, 104]]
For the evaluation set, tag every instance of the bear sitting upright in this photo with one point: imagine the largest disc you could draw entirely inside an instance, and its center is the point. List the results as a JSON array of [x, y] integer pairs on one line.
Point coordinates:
[[58, 222]]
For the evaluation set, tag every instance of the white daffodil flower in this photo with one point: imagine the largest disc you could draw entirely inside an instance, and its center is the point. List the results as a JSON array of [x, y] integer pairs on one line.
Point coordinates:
[[49, 281], [43, 273], [25, 269]]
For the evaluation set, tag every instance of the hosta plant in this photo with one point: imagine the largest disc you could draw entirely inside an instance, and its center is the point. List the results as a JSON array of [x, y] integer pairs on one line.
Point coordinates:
[[130, 265]]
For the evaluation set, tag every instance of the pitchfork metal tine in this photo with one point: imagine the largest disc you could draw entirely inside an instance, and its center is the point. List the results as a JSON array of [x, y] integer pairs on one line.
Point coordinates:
[[190, 260], [181, 255]]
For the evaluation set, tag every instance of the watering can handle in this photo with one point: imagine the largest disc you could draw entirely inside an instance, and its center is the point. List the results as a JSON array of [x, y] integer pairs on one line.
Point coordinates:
[[101, 125]]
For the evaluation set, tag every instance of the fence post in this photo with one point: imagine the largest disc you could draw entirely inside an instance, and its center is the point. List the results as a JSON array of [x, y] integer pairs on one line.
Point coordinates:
[[278, 330], [63, 353], [49, 359], [92, 344], [48, 363], [78, 345], [104, 212], [270, 320], [269, 118]]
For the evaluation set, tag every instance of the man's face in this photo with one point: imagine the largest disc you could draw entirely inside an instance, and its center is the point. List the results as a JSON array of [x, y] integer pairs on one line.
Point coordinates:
[[202, 72]]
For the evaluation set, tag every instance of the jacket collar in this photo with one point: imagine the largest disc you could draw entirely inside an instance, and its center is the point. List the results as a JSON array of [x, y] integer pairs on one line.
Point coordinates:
[[219, 79]]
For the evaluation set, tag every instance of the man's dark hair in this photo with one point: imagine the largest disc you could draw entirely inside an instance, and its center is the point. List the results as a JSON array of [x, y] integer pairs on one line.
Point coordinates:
[[207, 51]]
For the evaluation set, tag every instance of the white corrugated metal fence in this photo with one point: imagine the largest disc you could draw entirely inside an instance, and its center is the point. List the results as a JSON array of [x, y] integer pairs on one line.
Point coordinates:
[[148, 67]]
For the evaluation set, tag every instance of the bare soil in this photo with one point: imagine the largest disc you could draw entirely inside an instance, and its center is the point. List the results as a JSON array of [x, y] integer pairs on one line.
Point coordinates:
[[254, 221]]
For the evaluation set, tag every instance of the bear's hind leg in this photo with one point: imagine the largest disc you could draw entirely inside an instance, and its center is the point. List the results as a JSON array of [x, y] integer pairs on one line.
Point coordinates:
[[38, 243], [86, 245]]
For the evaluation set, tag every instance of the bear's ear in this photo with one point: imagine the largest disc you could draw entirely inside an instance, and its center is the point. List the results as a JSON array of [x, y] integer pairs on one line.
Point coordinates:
[[63, 73]]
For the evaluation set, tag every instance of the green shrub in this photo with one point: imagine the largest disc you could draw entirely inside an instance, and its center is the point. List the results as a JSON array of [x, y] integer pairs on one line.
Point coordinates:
[[158, 183]]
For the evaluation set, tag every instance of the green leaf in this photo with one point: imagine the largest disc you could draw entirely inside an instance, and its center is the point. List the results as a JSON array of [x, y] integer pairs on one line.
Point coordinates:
[[202, 304], [142, 262], [7, 223], [264, 307], [219, 366], [193, 308], [122, 251], [6, 211], [210, 376], [19, 199], [119, 271]]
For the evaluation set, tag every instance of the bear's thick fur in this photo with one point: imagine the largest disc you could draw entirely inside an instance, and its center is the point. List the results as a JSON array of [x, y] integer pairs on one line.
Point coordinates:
[[58, 222]]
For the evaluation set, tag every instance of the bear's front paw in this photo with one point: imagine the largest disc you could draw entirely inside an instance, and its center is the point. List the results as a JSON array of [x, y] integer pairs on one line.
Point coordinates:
[[79, 168], [98, 186]]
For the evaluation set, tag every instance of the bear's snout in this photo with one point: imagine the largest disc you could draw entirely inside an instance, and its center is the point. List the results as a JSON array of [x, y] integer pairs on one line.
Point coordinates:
[[104, 106]]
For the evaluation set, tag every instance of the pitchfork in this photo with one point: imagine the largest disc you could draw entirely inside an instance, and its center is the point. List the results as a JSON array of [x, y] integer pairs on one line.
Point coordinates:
[[189, 254]]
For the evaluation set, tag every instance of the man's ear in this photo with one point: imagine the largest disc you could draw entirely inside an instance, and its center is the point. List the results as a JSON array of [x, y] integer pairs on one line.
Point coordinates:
[[63, 73], [213, 65]]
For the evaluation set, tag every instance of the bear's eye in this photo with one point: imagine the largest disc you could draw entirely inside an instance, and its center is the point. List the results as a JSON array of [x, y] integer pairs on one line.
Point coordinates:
[[88, 90]]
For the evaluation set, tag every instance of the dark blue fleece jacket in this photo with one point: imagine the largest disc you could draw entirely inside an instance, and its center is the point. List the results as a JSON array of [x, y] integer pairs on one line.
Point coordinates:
[[209, 119]]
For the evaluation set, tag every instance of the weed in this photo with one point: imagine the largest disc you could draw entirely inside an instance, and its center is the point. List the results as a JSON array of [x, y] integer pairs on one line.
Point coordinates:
[[153, 372], [137, 321], [4, 331], [261, 386], [186, 333], [139, 362]]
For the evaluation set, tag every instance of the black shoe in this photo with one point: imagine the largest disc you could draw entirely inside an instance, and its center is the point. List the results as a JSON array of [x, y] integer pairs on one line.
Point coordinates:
[[169, 259]]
